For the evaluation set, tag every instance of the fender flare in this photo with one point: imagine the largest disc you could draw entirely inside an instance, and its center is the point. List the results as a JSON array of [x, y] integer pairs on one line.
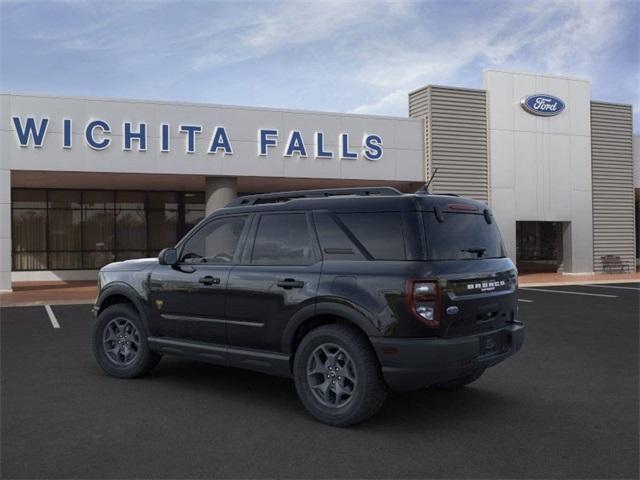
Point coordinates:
[[127, 291], [349, 313]]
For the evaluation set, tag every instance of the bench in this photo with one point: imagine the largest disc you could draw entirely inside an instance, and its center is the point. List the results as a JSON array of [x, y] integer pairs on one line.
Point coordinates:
[[613, 263]]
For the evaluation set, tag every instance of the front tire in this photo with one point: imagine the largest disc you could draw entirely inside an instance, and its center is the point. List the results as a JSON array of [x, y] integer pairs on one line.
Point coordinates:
[[337, 375], [119, 343]]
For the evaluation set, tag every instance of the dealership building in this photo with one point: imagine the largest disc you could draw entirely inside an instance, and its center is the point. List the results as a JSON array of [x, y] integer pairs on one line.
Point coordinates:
[[87, 181]]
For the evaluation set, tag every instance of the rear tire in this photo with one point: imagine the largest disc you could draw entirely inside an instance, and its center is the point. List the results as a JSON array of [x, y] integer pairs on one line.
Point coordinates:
[[119, 343], [337, 375], [459, 382]]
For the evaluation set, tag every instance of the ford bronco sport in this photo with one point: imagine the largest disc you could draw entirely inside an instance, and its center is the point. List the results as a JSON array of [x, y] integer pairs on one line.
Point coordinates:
[[349, 292]]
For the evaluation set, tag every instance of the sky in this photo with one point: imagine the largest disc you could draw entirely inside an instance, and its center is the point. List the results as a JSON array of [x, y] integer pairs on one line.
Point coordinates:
[[344, 56]]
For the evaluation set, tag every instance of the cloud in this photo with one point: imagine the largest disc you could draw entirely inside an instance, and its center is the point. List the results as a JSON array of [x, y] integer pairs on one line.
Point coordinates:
[[551, 37], [394, 103], [359, 56], [288, 25]]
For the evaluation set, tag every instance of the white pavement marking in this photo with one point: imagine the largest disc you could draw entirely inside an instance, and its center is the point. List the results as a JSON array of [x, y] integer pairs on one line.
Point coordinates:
[[611, 286], [52, 317], [525, 301], [571, 293]]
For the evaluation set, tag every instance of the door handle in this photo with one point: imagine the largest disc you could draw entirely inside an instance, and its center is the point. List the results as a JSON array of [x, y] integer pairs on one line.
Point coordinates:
[[209, 280], [290, 283]]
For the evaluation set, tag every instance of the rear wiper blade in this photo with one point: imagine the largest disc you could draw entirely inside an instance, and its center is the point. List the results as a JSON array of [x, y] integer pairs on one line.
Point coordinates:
[[479, 251]]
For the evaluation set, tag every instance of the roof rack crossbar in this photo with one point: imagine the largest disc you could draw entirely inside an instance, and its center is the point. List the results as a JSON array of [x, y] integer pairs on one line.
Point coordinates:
[[277, 197]]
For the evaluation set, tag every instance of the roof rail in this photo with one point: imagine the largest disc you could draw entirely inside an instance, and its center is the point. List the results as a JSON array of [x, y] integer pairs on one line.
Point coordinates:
[[278, 197]]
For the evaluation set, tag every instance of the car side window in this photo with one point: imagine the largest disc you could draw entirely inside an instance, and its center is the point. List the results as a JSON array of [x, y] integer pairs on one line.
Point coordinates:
[[336, 245], [381, 233], [216, 242], [283, 239]]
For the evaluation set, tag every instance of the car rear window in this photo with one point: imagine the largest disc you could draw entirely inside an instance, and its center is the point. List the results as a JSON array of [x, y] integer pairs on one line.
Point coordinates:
[[461, 236]]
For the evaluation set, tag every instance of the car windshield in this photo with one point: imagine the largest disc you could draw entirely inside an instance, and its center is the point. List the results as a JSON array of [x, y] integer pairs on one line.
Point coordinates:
[[461, 236]]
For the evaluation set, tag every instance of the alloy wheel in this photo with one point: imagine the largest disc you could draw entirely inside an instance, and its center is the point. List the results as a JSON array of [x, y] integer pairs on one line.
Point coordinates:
[[121, 341], [331, 375]]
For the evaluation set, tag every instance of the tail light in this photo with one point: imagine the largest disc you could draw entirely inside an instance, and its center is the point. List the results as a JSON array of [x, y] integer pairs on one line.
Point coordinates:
[[423, 300]]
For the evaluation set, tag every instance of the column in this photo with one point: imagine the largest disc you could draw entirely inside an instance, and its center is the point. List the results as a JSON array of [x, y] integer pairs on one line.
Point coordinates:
[[219, 191], [5, 229]]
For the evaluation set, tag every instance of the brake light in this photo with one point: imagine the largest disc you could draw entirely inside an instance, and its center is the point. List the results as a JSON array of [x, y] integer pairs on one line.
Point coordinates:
[[423, 300], [462, 207]]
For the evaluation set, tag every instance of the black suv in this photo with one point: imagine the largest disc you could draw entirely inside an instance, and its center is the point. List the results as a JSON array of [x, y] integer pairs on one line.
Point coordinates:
[[348, 291]]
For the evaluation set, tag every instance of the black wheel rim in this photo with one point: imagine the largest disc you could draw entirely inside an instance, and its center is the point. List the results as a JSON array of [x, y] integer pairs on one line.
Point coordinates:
[[331, 375], [121, 341]]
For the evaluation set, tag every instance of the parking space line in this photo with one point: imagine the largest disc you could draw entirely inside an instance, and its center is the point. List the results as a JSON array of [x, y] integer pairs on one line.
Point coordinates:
[[611, 286], [570, 293], [525, 300], [52, 317]]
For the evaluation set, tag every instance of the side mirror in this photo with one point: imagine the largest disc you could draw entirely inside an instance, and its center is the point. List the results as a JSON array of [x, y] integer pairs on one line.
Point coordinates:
[[168, 256]]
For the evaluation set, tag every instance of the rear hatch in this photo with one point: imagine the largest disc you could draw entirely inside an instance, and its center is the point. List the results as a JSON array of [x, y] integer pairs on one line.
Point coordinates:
[[477, 282]]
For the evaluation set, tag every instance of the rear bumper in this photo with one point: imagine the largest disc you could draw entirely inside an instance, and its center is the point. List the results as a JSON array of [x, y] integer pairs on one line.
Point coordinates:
[[413, 363]]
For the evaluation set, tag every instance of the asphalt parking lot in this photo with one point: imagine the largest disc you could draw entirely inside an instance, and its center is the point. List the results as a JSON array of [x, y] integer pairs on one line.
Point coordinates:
[[565, 406]]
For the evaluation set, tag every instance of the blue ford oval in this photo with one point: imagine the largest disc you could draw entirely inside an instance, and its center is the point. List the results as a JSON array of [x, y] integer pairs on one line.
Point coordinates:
[[543, 104]]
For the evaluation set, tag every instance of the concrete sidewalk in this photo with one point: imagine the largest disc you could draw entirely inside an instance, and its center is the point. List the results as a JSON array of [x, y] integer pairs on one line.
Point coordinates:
[[50, 293], [85, 292], [559, 279]]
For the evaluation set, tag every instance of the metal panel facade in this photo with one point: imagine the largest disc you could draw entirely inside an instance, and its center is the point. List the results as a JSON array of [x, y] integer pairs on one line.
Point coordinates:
[[540, 167], [612, 178], [455, 138]]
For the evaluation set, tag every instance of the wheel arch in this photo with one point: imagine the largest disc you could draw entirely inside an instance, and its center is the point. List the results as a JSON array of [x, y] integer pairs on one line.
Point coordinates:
[[320, 314], [120, 293]]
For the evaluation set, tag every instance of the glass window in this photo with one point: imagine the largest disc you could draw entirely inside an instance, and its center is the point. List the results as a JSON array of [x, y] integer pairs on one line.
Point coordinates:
[[191, 219], [462, 236], [73, 229], [98, 230], [129, 254], [162, 229], [194, 200], [29, 230], [65, 260], [381, 234], [162, 220], [131, 230], [21, 198], [216, 242], [162, 201], [283, 240], [193, 210], [65, 230], [94, 260], [29, 260], [335, 243], [130, 200], [64, 199], [98, 199]]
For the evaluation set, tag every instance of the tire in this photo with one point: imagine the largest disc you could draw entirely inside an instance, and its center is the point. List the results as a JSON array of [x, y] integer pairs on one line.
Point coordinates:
[[321, 354], [460, 381], [130, 356]]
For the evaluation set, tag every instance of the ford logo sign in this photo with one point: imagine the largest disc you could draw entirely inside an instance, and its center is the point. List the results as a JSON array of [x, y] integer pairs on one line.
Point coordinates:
[[543, 105]]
